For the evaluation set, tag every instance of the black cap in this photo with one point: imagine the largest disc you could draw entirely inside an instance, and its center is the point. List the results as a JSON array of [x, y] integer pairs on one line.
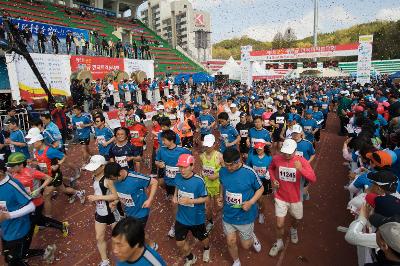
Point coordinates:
[[382, 178], [377, 219], [387, 205], [13, 120]]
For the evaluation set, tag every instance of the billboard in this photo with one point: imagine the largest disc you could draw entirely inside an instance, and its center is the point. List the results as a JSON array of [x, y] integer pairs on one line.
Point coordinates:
[[99, 66], [364, 59], [310, 52], [132, 65]]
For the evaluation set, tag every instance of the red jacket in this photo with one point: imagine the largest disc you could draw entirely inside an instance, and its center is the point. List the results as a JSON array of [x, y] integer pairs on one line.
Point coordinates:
[[59, 118], [289, 178]]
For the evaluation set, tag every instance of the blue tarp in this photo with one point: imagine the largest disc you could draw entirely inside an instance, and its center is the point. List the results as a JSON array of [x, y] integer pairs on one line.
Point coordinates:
[[197, 77]]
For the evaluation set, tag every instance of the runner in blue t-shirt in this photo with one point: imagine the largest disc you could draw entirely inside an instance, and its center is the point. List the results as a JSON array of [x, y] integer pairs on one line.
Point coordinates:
[[131, 188], [206, 122], [229, 135], [16, 141], [242, 188], [104, 136], [309, 125], [190, 196], [128, 238], [166, 159], [258, 134], [83, 125]]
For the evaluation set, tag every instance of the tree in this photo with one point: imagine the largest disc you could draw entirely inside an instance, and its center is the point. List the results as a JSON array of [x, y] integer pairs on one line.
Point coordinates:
[[289, 38], [277, 42]]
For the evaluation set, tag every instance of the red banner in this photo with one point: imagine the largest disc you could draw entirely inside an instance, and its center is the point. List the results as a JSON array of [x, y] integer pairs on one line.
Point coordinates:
[[99, 66]]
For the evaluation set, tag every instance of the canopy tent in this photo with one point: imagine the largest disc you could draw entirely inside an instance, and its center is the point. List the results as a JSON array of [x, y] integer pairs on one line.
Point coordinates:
[[230, 68], [200, 77]]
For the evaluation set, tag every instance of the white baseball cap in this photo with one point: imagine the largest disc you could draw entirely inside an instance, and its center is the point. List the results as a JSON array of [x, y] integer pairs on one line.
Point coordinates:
[[289, 146], [35, 138], [297, 129], [233, 105], [95, 162], [32, 132], [172, 117], [160, 107], [209, 140]]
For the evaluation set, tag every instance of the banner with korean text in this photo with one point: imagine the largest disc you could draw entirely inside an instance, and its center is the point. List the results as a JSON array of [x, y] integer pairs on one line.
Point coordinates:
[[364, 59], [98, 66]]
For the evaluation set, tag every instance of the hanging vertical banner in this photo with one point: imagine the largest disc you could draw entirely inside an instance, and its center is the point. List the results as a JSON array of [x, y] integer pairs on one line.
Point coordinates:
[[246, 75], [132, 65], [364, 59], [55, 70]]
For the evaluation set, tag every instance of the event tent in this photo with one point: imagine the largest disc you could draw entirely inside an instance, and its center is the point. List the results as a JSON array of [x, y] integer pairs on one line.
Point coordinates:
[[230, 68]]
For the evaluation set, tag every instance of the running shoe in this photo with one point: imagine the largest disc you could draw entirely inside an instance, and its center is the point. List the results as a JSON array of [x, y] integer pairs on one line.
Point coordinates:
[[105, 263], [294, 237], [256, 244], [49, 252], [209, 227], [64, 229], [190, 262], [71, 199], [36, 230], [236, 263], [275, 249], [155, 246], [171, 232], [81, 195], [261, 218], [206, 255]]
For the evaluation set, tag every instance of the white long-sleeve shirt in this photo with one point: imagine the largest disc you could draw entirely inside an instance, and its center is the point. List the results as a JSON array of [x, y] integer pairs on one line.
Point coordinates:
[[356, 236]]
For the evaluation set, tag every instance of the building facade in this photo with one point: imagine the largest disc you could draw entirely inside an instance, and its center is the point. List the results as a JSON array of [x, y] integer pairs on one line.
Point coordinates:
[[182, 25]]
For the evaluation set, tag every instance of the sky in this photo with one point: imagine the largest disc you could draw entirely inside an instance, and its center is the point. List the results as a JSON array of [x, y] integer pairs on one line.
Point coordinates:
[[261, 19]]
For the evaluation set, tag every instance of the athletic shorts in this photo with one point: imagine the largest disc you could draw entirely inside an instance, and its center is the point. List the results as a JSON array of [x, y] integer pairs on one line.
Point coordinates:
[[57, 179], [243, 148], [267, 186], [276, 136], [108, 219], [282, 207], [84, 141], [198, 231], [170, 190], [143, 220], [245, 230], [137, 151]]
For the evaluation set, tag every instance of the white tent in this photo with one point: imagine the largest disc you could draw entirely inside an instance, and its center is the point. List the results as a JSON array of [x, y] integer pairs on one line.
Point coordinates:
[[231, 68]]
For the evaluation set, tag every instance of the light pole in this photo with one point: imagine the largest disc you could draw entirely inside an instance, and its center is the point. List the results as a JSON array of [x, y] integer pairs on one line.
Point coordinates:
[[315, 23]]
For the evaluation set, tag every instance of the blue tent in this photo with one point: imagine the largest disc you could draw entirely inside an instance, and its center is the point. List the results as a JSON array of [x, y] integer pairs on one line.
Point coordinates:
[[395, 75], [197, 77]]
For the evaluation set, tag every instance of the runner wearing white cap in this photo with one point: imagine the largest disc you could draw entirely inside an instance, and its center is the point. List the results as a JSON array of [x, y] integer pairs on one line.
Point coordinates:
[[234, 115], [286, 171]]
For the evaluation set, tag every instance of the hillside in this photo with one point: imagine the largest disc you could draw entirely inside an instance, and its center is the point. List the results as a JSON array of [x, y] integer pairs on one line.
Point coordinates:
[[386, 41]]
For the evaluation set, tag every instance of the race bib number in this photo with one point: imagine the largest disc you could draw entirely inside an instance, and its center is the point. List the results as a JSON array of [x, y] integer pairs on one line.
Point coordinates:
[[233, 198], [3, 206], [287, 174], [79, 124], [126, 199], [308, 129], [121, 160], [208, 171], [280, 120], [299, 153], [204, 124], [28, 190], [182, 194], [224, 137], [134, 134], [324, 106], [12, 148], [261, 171], [171, 171], [244, 133], [101, 207], [42, 167], [266, 123], [101, 140]]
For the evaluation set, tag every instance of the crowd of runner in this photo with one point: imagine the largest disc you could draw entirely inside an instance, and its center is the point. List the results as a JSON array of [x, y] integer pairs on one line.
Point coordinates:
[[256, 145]]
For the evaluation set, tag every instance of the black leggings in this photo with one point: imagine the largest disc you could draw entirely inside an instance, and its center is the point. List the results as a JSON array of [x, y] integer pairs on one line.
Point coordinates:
[[37, 218], [15, 252]]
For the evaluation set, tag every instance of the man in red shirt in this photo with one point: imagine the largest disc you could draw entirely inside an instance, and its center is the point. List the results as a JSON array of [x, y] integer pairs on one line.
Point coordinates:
[[32, 179], [287, 170], [60, 118], [138, 135]]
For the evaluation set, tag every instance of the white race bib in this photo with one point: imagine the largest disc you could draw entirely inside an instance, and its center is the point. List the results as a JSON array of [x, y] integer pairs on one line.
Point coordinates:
[[182, 194], [299, 153], [79, 124], [171, 171], [233, 198], [208, 171], [261, 171], [126, 199], [324, 106], [287, 174], [224, 137], [101, 207], [204, 123], [266, 123], [3, 206], [101, 140], [134, 134], [308, 129], [280, 120], [121, 160], [12, 148], [43, 167], [244, 133]]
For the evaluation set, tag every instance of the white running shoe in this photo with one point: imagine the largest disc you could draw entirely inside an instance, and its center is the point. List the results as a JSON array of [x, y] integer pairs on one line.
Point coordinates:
[[209, 227], [190, 262], [105, 263], [275, 249], [256, 244], [261, 218], [206, 255], [236, 263], [81, 195], [155, 246], [171, 232], [71, 199], [294, 237], [49, 252]]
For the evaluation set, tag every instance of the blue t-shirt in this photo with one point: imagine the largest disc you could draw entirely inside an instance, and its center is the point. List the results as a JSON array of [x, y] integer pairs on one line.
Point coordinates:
[[309, 125], [83, 133], [362, 181], [305, 149], [55, 131], [170, 158], [258, 135], [52, 153], [48, 137], [318, 116], [18, 136], [13, 197], [205, 121], [259, 165], [177, 141], [324, 107], [193, 188], [150, 257], [103, 135], [238, 187], [228, 134], [120, 154], [257, 112], [132, 193]]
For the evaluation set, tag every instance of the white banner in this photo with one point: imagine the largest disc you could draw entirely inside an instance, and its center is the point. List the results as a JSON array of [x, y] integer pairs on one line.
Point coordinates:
[[132, 65], [364, 59], [246, 75], [55, 70]]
